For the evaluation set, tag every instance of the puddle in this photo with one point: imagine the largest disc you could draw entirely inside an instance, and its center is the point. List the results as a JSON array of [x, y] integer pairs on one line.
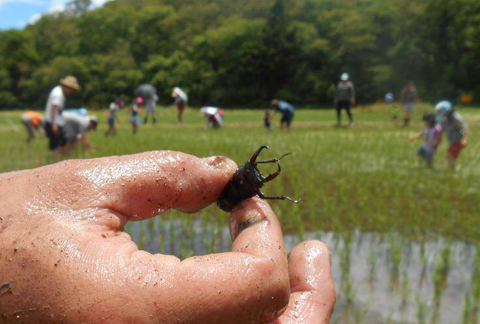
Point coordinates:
[[379, 279]]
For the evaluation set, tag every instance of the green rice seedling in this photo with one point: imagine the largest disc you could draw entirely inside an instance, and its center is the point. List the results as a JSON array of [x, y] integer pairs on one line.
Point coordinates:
[[467, 310], [161, 235], [395, 254], [142, 236], [405, 289], [440, 276], [372, 264], [475, 286], [422, 311]]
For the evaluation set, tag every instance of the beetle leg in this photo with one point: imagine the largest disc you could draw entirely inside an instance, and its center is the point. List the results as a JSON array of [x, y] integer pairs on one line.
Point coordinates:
[[274, 160], [273, 175], [261, 194], [255, 155], [282, 198]]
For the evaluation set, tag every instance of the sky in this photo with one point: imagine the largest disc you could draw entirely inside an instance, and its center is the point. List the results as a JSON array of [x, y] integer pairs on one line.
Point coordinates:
[[16, 14]]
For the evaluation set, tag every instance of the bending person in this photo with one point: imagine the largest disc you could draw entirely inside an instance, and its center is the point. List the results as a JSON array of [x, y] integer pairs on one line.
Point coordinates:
[[287, 111], [213, 116], [32, 121]]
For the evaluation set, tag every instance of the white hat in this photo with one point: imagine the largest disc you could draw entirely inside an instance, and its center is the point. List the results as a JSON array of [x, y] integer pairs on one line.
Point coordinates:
[[443, 107], [344, 76]]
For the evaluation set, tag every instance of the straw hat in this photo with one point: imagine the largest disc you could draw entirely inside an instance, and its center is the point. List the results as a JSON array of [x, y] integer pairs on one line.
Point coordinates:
[[71, 82]]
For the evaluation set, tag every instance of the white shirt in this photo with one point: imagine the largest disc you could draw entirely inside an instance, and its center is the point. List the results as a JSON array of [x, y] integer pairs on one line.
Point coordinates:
[[182, 95], [75, 125], [56, 98], [209, 111]]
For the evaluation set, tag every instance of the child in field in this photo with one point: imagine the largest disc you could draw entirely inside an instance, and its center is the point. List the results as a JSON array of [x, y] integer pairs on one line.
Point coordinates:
[[112, 116], [135, 119], [455, 129], [389, 98], [266, 120], [432, 136]]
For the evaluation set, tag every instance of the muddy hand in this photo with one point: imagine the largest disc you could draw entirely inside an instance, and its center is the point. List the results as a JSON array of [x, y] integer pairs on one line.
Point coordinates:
[[64, 256]]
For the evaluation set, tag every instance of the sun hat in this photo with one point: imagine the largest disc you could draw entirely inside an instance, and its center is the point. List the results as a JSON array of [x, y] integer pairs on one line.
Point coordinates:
[[344, 76], [139, 100], [71, 82], [443, 107]]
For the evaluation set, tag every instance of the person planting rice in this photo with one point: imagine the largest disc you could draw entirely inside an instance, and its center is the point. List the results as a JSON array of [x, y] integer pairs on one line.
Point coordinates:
[[345, 98], [213, 116], [181, 99], [112, 116], [455, 129], [148, 93], [33, 123], [54, 121], [266, 120], [135, 119], [287, 111], [409, 97], [76, 127], [432, 136]]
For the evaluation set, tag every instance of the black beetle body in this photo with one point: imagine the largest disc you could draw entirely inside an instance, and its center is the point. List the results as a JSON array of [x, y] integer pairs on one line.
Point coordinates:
[[247, 182]]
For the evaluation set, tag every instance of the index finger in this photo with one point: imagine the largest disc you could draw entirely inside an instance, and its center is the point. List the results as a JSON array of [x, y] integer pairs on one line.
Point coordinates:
[[144, 185]]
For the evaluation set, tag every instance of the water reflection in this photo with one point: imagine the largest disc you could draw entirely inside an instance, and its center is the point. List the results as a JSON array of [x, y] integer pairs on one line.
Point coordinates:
[[379, 278]]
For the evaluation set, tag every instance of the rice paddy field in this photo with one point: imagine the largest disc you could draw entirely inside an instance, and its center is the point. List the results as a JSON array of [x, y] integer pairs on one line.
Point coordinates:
[[404, 238]]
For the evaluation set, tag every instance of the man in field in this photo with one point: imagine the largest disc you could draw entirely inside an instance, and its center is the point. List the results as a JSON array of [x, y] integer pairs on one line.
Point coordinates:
[[287, 111], [344, 98], [54, 121], [455, 129]]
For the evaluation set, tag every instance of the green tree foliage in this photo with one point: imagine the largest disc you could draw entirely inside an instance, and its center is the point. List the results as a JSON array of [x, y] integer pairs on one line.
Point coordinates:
[[246, 52]]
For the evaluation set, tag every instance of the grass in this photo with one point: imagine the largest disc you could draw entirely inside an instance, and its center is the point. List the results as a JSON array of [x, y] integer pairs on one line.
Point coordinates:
[[366, 178]]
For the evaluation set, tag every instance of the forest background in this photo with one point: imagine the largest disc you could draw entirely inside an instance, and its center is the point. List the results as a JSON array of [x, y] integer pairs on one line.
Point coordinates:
[[243, 53]]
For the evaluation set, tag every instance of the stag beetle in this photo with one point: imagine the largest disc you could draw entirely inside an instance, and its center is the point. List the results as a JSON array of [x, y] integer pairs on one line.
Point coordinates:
[[247, 181]]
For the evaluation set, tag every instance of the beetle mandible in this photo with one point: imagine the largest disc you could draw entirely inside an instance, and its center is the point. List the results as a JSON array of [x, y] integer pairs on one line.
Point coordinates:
[[247, 182]]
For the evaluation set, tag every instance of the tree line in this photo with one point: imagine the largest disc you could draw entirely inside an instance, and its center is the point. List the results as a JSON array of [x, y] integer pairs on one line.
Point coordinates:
[[243, 53]]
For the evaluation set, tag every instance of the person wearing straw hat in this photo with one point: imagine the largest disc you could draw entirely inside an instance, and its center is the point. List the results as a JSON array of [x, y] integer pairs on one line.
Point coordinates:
[[181, 99], [54, 121], [345, 98]]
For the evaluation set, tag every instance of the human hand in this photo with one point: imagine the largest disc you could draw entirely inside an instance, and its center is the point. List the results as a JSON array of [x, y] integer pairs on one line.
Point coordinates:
[[464, 141], [65, 258], [55, 129]]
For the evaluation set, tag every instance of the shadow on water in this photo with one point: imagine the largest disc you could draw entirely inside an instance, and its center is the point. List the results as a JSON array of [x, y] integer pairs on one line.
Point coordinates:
[[383, 278]]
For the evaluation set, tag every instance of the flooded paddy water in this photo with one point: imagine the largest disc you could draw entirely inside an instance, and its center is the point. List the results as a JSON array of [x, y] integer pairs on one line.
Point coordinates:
[[379, 278]]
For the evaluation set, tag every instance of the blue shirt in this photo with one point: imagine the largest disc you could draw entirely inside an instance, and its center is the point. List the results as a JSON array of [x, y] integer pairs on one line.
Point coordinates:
[[285, 108]]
